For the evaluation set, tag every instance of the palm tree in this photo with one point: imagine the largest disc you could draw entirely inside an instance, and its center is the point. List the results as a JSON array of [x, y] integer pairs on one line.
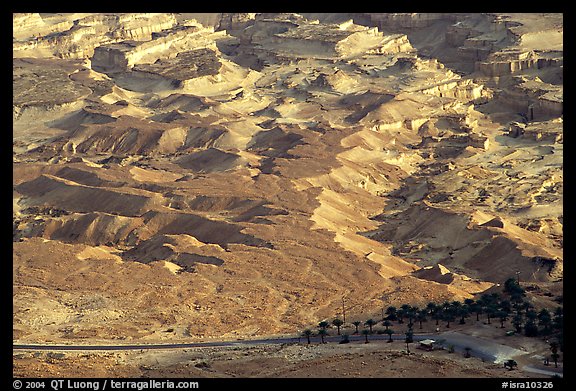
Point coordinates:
[[437, 315], [338, 323], [559, 311], [545, 320], [431, 307], [469, 301], [389, 332], [463, 311], [472, 306], [365, 333], [483, 300], [517, 298], [495, 297], [421, 317], [555, 355], [386, 324], [517, 322], [490, 311], [370, 323], [405, 311], [512, 287], [391, 312], [307, 333], [409, 339], [477, 309], [503, 316], [448, 316], [530, 328], [505, 306], [323, 325], [356, 323], [558, 321], [527, 306], [322, 333], [487, 301], [410, 312], [531, 314], [518, 306], [409, 335]]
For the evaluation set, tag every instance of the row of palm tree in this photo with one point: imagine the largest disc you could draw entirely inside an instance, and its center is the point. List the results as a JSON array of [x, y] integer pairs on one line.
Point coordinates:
[[322, 331], [511, 306]]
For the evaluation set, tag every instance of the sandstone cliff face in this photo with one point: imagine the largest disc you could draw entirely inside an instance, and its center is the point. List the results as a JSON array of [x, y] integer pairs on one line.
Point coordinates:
[[464, 90], [505, 63], [282, 37], [395, 21], [80, 39], [27, 21], [123, 56], [141, 27], [232, 22]]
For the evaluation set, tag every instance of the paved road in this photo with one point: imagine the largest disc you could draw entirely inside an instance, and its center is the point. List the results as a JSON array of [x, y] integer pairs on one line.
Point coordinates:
[[353, 338], [153, 346], [482, 348], [529, 368]]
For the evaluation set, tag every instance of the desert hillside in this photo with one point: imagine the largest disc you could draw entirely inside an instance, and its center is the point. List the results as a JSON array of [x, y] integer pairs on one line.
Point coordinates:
[[191, 176]]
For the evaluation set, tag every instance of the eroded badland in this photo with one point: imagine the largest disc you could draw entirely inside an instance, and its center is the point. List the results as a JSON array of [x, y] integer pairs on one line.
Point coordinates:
[[180, 177]]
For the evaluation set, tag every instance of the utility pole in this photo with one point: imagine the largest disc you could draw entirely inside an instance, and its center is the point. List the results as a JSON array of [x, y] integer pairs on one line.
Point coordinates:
[[343, 311]]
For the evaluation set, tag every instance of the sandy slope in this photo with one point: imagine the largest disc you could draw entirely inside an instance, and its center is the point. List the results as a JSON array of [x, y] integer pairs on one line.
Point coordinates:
[[252, 201]]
